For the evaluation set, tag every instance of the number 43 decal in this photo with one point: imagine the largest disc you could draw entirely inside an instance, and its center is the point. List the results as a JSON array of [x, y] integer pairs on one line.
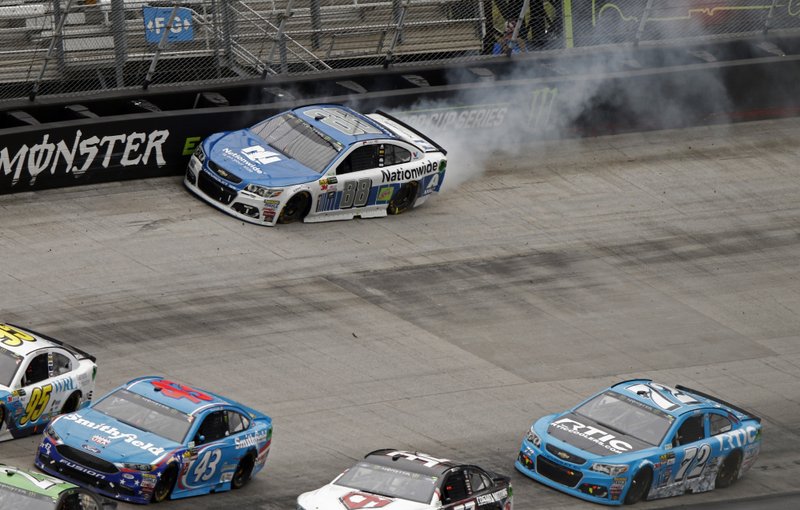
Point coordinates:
[[207, 465]]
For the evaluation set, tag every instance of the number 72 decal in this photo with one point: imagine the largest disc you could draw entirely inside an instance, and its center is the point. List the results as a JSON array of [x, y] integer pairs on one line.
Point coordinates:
[[700, 456]]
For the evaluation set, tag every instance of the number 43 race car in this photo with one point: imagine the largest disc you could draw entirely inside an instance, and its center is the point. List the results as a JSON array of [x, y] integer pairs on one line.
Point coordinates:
[[317, 163], [641, 440]]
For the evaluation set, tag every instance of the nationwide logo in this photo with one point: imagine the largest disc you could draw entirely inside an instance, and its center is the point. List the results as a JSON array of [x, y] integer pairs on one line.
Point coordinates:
[[595, 435], [411, 173], [114, 433]]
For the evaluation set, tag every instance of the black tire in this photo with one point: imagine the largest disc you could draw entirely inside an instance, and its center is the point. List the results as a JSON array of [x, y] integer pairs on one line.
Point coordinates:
[[296, 209], [163, 489], [243, 471], [2, 416], [71, 405], [640, 486], [727, 472], [403, 199]]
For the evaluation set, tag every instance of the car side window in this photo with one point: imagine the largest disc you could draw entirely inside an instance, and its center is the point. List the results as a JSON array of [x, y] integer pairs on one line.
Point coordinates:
[[690, 431], [237, 422], [478, 481], [61, 364], [214, 427], [389, 154], [363, 158], [37, 370], [719, 424], [455, 488]]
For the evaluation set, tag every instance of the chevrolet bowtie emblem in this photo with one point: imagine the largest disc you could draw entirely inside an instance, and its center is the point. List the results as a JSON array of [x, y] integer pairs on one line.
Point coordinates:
[[563, 455]]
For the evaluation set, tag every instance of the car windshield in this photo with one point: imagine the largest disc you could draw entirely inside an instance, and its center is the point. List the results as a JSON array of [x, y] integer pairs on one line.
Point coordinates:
[[628, 416], [299, 140], [389, 482], [21, 499], [145, 414], [8, 366]]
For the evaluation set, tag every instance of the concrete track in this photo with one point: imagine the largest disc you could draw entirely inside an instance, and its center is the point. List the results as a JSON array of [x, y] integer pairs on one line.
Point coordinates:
[[671, 255]]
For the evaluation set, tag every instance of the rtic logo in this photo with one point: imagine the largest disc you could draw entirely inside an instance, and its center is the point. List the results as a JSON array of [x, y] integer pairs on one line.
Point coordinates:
[[175, 390], [259, 154], [606, 440], [426, 459], [355, 500]]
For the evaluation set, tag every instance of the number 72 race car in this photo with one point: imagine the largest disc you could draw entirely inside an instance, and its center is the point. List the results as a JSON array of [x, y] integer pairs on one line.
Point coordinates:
[[40, 377], [402, 480], [317, 163], [641, 440]]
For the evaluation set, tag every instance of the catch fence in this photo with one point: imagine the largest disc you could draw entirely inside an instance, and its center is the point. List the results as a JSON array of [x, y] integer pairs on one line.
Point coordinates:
[[58, 47]]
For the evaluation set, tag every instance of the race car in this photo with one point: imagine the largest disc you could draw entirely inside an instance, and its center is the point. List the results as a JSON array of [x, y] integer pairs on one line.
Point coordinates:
[[396, 479], [317, 163], [641, 440], [152, 438], [25, 490], [40, 377]]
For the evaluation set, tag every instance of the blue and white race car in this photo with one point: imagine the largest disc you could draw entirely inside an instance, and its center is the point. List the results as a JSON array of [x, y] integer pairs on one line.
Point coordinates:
[[639, 439], [317, 163], [152, 438], [40, 377]]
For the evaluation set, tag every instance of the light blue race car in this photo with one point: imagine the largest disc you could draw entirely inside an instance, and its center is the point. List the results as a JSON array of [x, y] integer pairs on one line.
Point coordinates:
[[317, 163], [151, 439], [641, 440]]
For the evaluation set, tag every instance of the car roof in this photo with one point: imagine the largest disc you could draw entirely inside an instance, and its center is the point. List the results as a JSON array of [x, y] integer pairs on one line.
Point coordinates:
[[176, 395], [675, 402], [416, 462], [30, 341], [316, 114]]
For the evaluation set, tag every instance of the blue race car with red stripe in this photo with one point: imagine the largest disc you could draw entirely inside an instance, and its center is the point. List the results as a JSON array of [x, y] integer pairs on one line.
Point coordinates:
[[317, 163], [151, 439]]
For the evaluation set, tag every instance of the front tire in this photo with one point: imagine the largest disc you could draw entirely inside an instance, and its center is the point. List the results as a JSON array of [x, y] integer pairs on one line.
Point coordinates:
[[166, 483], [243, 471], [727, 472], [403, 199], [296, 208], [640, 486]]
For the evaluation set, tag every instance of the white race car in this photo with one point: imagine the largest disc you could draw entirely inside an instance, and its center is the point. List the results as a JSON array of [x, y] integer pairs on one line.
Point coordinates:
[[317, 163], [40, 377], [401, 480]]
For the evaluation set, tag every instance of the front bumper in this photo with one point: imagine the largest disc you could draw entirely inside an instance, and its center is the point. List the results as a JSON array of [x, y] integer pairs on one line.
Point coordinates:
[[579, 481], [125, 485], [225, 197]]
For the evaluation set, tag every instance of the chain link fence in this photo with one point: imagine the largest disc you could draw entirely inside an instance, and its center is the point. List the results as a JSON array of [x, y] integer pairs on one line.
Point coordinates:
[[56, 47]]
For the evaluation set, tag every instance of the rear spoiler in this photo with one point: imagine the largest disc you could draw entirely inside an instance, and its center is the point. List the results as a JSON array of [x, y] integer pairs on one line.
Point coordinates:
[[74, 350], [406, 126], [718, 400]]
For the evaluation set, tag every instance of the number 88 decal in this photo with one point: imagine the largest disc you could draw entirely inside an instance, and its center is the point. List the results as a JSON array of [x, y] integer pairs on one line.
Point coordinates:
[[355, 193]]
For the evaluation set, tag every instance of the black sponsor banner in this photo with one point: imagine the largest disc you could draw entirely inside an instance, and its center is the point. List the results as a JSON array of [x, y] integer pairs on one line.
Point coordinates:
[[148, 145]]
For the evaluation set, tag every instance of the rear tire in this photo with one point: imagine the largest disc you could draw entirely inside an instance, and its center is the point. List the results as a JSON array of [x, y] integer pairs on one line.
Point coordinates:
[[2, 416], [163, 489], [296, 208], [243, 472], [71, 405], [727, 472], [403, 199], [640, 486]]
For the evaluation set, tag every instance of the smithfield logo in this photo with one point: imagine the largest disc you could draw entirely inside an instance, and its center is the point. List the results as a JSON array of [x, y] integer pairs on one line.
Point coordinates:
[[114, 433], [595, 435], [251, 440]]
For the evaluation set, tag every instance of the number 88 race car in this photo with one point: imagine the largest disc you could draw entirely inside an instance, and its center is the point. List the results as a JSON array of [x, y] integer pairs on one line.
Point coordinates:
[[317, 163]]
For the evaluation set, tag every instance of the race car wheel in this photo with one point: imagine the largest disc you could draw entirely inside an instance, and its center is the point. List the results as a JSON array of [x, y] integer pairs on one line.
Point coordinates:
[[71, 405], [727, 472], [403, 199], [242, 473], [163, 488], [296, 209], [2, 416], [640, 486]]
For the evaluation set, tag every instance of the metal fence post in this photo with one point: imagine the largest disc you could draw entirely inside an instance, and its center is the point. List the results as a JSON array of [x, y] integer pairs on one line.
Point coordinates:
[[161, 44], [49, 55], [398, 33], [316, 23], [645, 15], [768, 21], [228, 25], [520, 20], [280, 43], [120, 40], [59, 19]]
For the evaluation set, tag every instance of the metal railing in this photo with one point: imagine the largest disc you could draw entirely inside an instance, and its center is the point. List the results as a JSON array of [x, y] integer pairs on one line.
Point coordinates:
[[57, 47]]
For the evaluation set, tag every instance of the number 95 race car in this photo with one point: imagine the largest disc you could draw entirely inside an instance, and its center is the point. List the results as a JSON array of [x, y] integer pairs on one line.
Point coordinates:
[[317, 163]]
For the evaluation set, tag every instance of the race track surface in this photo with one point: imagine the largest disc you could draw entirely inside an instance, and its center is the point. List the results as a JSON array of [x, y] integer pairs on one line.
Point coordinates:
[[565, 267]]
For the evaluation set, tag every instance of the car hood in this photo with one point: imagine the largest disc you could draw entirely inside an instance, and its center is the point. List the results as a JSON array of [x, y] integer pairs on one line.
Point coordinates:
[[255, 161], [336, 497], [110, 439], [589, 436]]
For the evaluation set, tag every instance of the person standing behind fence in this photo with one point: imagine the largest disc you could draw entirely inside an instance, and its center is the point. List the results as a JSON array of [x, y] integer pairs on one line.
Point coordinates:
[[540, 26]]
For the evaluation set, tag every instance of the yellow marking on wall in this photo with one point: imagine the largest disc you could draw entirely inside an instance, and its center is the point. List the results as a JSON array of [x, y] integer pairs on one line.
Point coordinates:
[[567, 12]]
